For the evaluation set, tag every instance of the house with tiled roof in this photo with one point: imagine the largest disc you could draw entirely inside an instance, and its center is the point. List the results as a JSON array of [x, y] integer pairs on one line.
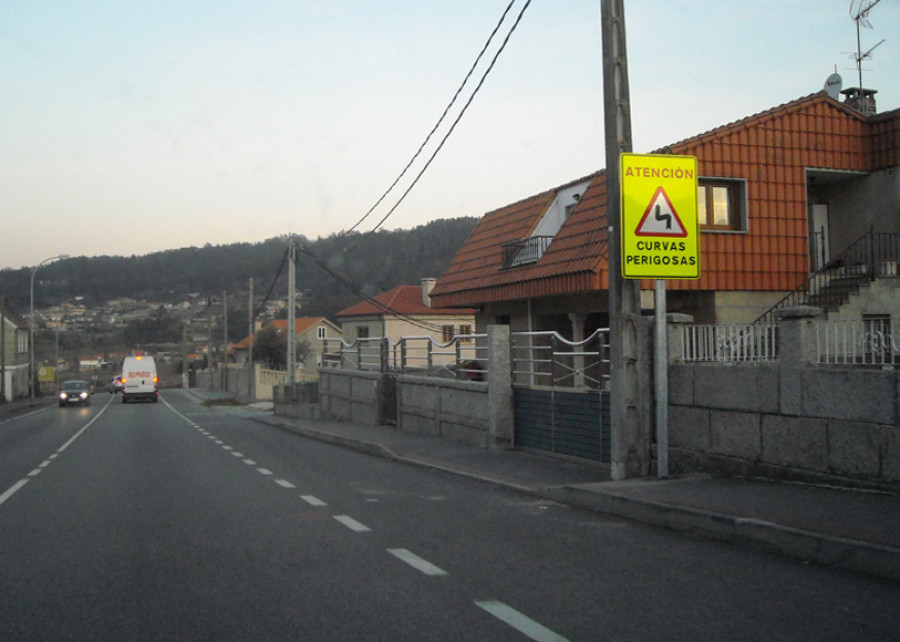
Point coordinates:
[[13, 356], [405, 311], [310, 330], [783, 195]]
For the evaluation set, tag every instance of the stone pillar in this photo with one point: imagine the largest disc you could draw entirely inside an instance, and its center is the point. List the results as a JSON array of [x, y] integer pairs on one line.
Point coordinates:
[[674, 321], [500, 396], [797, 349]]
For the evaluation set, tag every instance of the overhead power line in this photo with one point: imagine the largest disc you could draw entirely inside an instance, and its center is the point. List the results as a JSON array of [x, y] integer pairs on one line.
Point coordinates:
[[425, 325], [459, 116], [437, 124], [367, 235]]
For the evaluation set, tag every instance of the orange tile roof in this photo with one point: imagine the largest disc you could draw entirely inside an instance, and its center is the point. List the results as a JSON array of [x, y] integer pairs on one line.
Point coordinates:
[[402, 300], [771, 150], [300, 325]]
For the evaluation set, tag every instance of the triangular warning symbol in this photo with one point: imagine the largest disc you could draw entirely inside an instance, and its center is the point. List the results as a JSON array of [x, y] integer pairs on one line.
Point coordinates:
[[660, 218]]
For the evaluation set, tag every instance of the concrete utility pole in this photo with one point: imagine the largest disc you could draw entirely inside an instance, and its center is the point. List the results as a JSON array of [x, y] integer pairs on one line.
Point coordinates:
[[3, 348], [250, 318], [225, 320], [292, 320], [629, 443]]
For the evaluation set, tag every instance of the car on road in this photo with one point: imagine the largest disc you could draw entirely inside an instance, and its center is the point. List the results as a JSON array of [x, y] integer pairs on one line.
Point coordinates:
[[75, 393], [116, 385]]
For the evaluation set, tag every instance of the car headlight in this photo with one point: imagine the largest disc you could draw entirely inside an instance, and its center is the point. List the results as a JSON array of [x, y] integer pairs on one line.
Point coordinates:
[[63, 396], [83, 395]]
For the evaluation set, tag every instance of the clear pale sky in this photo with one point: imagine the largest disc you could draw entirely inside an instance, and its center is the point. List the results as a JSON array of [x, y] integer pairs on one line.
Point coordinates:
[[130, 127]]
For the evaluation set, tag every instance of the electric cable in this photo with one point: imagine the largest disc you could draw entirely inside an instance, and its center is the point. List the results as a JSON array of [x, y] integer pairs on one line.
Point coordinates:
[[484, 76], [365, 237], [425, 325], [437, 124]]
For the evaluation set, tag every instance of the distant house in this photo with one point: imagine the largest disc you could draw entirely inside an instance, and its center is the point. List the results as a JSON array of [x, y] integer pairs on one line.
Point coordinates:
[[14, 359], [92, 362], [310, 330], [809, 187], [405, 311]]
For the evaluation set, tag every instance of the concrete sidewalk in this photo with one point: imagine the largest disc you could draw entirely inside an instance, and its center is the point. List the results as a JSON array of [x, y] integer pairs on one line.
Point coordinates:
[[847, 528]]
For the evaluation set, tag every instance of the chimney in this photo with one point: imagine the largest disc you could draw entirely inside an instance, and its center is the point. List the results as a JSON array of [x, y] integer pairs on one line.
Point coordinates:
[[427, 287], [862, 100]]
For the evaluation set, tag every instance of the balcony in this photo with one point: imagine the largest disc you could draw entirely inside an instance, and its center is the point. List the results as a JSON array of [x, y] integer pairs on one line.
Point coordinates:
[[525, 251]]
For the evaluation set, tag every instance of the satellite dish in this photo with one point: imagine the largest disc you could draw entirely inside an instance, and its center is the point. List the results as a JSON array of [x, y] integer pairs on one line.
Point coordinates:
[[833, 85]]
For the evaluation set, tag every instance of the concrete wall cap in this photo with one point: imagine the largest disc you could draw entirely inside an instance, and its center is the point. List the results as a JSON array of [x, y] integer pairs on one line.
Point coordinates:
[[798, 312]]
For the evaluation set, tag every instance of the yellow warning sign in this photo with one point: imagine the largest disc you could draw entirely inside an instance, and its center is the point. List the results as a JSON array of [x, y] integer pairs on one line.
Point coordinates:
[[659, 230]]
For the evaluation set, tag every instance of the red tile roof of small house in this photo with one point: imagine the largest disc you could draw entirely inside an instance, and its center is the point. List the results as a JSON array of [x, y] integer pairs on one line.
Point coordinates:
[[403, 300], [300, 325], [771, 150]]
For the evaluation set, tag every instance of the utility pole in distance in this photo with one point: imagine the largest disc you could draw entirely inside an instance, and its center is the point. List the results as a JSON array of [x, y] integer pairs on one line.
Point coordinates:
[[629, 447], [292, 317]]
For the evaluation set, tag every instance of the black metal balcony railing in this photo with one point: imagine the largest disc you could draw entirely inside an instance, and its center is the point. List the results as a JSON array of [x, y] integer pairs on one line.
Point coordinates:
[[525, 251]]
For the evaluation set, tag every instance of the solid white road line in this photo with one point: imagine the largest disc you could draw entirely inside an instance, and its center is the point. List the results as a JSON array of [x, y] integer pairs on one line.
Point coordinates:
[[352, 524], [416, 562], [12, 490], [312, 500], [521, 623]]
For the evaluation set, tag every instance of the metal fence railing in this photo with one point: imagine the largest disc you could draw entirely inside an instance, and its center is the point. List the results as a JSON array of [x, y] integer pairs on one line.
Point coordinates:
[[548, 359], [730, 343], [869, 342], [463, 357]]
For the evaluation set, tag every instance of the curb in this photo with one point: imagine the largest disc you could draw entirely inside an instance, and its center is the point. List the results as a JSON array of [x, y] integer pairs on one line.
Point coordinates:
[[818, 548]]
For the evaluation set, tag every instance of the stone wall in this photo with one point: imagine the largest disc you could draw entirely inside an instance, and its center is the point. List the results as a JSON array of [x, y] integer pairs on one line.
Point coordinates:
[[786, 419]]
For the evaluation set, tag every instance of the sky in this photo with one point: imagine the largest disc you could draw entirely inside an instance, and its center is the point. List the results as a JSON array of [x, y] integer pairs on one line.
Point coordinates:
[[129, 127]]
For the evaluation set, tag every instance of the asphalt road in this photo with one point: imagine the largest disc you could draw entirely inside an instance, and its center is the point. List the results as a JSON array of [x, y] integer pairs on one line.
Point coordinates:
[[180, 522]]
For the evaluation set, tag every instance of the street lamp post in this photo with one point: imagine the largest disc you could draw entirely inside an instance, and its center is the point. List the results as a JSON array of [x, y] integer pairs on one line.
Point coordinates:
[[31, 322], [58, 321]]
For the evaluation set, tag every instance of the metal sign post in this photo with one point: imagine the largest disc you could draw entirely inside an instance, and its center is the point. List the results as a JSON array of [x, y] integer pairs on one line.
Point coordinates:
[[659, 241]]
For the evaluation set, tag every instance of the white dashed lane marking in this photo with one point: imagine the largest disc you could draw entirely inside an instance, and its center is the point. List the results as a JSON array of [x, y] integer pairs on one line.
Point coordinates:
[[284, 483], [416, 562], [312, 500], [521, 623], [352, 524]]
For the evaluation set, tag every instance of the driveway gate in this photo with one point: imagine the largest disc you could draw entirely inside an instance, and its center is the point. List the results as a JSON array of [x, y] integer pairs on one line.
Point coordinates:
[[561, 394]]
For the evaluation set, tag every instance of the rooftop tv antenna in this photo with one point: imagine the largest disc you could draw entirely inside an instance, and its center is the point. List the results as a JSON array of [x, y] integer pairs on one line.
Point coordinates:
[[859, 10]]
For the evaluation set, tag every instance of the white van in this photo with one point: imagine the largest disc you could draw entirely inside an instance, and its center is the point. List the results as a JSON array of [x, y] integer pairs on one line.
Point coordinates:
[[139, 377]]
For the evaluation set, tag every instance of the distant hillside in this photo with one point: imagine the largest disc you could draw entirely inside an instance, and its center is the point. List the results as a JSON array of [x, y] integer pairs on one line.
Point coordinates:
[[382, 261]]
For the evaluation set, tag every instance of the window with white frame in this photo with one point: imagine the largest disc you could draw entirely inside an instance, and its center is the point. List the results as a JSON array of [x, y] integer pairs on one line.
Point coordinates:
[[320, 332]]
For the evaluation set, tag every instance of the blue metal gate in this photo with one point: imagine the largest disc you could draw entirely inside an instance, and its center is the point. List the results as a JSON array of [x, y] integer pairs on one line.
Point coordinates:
[[561, 394], [573, 423]]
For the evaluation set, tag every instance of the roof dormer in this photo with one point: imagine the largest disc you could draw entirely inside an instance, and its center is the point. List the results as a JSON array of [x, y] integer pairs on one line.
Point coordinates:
[[530, 249]]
